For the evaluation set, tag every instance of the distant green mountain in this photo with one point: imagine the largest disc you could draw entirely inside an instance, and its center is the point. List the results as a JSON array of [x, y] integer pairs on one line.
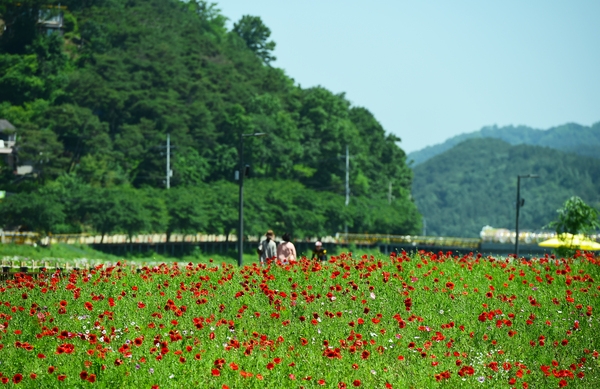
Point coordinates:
[[474, 184], [570, 138]]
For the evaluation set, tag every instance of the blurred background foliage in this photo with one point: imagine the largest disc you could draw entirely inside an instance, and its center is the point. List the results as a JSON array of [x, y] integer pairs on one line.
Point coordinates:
[[93, 106]]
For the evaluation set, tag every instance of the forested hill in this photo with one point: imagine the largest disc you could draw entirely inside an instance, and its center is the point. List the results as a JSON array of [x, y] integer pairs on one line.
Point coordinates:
[[570, 138], [97, 102], [475, 183]]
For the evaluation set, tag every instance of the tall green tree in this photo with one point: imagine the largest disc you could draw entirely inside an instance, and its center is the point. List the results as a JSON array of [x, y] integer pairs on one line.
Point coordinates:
[[256, 34]]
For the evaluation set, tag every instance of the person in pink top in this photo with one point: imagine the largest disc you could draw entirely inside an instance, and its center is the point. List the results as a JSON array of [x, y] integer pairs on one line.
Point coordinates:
[[286, 251]]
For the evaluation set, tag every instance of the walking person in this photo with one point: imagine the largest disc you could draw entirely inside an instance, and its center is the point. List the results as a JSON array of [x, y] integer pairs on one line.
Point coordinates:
[[267, 248], [286, 251]]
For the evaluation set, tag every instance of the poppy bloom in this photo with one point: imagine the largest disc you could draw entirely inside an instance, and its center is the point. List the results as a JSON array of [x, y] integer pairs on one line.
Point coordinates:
[[356, 383], [88, 306], [62, 377], [215, 372], [17, 378]]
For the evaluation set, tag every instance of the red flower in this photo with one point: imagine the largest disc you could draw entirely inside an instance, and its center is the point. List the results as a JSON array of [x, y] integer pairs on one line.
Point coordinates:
[[62, 377], [356, 383], [51, 369], [215, 372], [88, 306], [83, 375], [17, 378], [92, 378], [33, 376]]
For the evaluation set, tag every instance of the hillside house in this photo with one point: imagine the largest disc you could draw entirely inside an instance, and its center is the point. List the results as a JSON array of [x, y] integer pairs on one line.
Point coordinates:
[[8, 151]]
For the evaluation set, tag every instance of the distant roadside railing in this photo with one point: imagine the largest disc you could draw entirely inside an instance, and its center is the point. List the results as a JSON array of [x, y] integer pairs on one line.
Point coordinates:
[[413, 240], [12, 265], [488, 235]]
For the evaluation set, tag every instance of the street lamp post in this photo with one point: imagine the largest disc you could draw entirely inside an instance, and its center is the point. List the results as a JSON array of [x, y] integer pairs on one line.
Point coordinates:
[[520, 203], [242, 172]]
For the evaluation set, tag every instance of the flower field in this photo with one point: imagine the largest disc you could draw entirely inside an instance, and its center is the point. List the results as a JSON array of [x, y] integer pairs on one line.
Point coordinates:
[[408, 321]]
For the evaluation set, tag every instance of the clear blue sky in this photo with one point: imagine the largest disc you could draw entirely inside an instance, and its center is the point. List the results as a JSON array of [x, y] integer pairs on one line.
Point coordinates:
[[429, 70]]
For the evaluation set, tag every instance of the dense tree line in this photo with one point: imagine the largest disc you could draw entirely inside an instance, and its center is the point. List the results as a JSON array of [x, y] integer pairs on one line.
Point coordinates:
[[475, 183], [94, 106], [67, 205]]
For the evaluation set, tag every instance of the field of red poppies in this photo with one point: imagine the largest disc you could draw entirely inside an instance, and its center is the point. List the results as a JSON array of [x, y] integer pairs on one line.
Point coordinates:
[[422, 320]]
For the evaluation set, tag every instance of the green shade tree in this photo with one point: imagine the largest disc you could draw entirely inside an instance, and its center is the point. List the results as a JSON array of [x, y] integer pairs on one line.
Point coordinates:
[[574, 217], [32, 212], [187, 211]]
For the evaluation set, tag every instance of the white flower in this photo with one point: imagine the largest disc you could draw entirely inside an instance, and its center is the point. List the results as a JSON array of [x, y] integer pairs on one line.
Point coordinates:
[[441, 311], [372, 295]]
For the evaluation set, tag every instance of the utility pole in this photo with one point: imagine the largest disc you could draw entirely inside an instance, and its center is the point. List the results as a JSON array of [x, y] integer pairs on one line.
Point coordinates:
[[168, 161], [347, 178], [390, 193], [520, 203]]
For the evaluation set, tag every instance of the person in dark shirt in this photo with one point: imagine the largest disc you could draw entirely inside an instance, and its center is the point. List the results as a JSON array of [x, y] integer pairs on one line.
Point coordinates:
[[319, 252]]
